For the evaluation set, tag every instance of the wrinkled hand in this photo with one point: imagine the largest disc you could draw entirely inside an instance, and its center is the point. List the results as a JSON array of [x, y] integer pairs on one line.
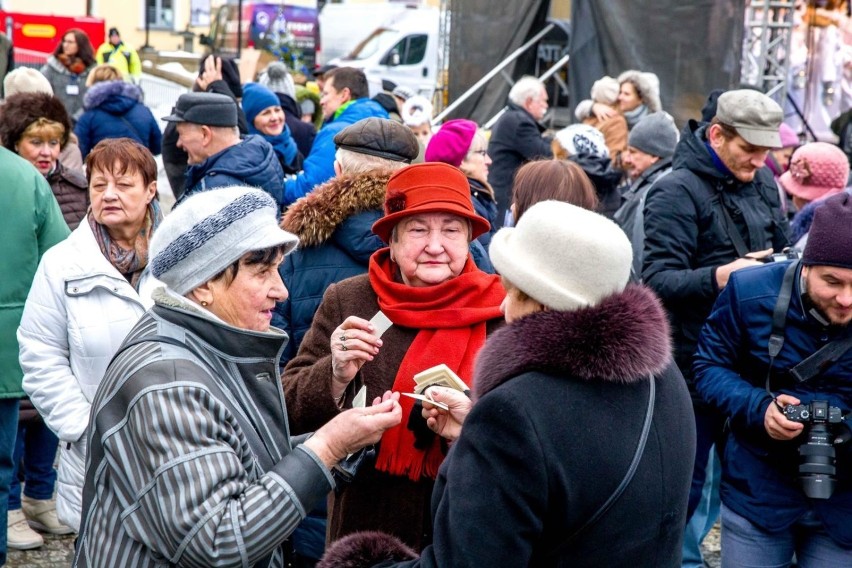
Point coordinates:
[[776, 424], [212, 72], [352, 344], [723, 273], [603, 112], [355, 428], [446, 423]]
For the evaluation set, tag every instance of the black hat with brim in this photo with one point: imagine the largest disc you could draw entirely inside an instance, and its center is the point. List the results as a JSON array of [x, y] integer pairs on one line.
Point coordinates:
[[210, 109]]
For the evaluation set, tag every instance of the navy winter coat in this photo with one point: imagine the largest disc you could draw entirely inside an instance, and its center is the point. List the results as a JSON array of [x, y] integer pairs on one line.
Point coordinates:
[[759, 480], [486, 207], [114, 109], [686, 237], [252, 162], [319, 164]]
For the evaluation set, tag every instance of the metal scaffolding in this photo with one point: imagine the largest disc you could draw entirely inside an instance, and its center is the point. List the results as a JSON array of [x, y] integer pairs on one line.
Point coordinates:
[[766, 46]]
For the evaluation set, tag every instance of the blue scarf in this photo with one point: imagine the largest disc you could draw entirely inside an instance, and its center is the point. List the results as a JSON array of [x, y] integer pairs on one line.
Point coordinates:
[[283, 144]]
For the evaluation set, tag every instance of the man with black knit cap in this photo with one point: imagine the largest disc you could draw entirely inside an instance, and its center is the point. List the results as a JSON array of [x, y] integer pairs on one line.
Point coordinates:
[[650, 147], [778, 344]]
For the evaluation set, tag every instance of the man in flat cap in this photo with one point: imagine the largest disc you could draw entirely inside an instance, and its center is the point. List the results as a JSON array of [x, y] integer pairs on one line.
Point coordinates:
[[711, 216], [344, 102], [208, 133]]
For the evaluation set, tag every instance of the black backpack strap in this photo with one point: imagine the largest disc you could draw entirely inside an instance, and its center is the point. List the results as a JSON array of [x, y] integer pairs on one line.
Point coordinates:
[[628, 477]]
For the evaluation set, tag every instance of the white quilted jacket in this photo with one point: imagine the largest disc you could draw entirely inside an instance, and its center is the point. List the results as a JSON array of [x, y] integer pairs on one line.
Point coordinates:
[[78, 312]]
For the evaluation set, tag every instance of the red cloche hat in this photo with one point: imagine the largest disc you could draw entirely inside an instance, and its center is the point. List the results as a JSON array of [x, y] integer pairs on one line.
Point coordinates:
[[431, 187]]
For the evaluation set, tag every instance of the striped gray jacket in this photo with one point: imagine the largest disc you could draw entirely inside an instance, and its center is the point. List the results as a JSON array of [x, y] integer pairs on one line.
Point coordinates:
[[190, 461]]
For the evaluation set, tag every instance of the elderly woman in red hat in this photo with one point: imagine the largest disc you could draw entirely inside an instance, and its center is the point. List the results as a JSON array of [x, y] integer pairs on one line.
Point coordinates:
[[441, 308]]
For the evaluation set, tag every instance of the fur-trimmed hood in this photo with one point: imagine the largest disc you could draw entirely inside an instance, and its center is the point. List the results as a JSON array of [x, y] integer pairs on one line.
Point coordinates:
[[115, 97], [315, 217], [624, 339]]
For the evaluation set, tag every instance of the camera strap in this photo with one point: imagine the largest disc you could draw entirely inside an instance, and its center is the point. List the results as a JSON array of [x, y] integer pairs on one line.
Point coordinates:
[[731, 227], [779, 319], [628, 477]]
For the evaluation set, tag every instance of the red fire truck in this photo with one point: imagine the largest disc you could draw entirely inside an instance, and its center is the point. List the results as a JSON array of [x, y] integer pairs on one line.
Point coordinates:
[[35, 36]]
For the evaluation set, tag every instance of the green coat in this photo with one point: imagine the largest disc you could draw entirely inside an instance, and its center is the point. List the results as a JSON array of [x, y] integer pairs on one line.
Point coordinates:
[[31, 224]]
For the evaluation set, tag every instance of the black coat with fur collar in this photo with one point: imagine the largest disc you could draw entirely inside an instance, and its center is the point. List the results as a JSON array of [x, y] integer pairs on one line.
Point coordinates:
[[561, 402]]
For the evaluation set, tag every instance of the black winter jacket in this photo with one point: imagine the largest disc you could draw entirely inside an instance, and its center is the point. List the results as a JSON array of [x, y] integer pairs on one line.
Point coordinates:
[[686, 237], [515, 139]]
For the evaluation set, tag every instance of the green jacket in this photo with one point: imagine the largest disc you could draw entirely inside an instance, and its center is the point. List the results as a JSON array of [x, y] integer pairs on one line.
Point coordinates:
[[31, 224]]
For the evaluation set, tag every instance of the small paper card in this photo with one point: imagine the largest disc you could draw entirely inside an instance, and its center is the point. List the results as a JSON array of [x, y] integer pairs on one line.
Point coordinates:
[[381, 322], [425, 399], [360, 400]]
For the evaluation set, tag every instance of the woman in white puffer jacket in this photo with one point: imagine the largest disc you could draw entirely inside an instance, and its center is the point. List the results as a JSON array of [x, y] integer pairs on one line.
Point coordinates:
[[88, 292]]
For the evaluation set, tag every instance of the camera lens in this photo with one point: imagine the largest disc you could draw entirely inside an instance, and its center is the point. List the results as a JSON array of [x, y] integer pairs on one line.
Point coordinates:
[[817, 469]]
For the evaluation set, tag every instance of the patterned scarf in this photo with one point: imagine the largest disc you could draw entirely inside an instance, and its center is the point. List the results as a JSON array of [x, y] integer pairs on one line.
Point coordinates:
[[451, 317], [73, 63], [130, 263]]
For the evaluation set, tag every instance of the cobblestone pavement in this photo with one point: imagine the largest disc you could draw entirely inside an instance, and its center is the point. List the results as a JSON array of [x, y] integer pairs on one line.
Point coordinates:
[[58, 552]]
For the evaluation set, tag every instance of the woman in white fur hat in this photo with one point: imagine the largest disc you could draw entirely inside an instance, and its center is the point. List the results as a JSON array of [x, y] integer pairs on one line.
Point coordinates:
[[581, 423]]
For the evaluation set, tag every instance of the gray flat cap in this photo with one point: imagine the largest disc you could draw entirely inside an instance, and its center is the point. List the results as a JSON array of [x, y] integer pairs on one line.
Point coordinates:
[[211, 109], [379, 137]]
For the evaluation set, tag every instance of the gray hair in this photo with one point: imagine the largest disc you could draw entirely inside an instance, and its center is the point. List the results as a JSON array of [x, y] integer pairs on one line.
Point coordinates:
[[527, 87], [358, 163]]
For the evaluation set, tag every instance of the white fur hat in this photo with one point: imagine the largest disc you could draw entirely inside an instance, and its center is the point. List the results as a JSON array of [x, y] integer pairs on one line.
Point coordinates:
[[605, 90], [647, 86], [25, 80], [211, 230], [416, 110], [563, 256]]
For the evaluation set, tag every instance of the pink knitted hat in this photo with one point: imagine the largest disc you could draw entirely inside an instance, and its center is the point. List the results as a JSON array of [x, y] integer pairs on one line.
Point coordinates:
[[789, 139], [452, 142], [817, 169]]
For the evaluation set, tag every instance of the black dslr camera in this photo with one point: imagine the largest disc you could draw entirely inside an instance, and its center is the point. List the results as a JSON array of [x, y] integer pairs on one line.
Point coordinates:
[[785, 254], [816, 469]]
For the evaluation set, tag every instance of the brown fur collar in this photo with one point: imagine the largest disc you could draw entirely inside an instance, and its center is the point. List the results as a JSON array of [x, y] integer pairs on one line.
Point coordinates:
[[623, 339], [315, 217]]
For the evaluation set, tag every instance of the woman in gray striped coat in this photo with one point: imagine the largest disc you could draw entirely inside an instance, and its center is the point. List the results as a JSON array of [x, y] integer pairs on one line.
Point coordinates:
[[190, 459]]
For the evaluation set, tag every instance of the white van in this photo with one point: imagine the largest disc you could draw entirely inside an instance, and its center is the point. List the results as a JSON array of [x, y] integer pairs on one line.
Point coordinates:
[[404, 49]]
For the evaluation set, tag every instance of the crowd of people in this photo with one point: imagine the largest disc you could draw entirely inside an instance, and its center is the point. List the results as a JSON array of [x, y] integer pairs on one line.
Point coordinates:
[[627, 328]]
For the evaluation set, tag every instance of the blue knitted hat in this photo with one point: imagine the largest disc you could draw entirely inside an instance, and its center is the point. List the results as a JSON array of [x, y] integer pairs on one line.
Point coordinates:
[[256, 98], [210, 231]]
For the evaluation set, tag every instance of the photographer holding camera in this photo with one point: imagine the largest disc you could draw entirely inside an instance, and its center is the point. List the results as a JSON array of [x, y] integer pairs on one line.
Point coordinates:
[[783, 328]]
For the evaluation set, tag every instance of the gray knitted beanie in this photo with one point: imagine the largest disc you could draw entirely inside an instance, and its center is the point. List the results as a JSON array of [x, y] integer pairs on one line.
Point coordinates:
[[655, 134], [210, 231]]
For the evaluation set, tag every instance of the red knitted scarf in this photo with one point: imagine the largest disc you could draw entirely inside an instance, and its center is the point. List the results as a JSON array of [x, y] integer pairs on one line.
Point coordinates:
[[451, 317]]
